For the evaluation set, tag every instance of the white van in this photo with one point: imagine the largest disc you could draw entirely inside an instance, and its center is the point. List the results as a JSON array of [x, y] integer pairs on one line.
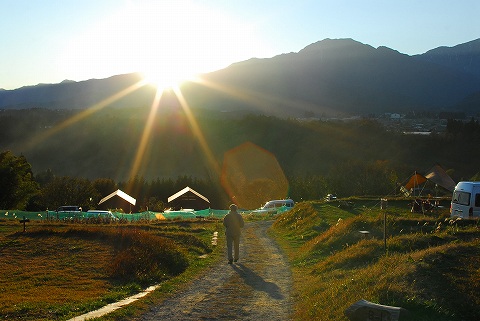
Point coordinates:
[[276, 206], [466, 200]]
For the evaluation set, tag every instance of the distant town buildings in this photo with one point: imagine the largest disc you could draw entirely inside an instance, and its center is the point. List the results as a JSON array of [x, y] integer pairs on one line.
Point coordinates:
[[420, 123]]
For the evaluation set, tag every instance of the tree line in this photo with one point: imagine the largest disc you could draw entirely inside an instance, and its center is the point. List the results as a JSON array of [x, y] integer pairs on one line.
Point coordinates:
[[318, 157], [23, 190], [466, 131]]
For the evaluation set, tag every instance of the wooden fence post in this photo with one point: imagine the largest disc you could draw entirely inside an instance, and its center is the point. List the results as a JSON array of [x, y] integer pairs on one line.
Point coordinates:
[[25, 220]]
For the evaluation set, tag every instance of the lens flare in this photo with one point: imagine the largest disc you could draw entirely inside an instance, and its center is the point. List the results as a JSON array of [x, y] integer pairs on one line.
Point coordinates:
[[252, 175]]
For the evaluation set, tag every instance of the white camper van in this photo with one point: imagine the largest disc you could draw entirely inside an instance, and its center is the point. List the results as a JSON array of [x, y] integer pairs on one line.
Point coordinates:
[[466, 200], [275, 207]]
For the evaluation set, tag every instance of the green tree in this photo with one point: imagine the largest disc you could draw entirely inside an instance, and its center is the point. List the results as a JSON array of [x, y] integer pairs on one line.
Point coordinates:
[[104, 187], [16, 181], [311, 187], [44, 177], [154, 204], [358, 178], [69, 191]]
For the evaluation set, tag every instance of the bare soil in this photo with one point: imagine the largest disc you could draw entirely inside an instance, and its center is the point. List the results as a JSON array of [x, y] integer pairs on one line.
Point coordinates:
[[257, 287]]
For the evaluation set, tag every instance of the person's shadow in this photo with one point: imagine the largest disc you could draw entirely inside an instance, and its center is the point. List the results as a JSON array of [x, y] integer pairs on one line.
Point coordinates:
[[257, 282]]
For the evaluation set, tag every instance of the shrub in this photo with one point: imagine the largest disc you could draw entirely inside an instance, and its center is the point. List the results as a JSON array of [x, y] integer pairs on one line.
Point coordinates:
[[145, 257], [139, 256]]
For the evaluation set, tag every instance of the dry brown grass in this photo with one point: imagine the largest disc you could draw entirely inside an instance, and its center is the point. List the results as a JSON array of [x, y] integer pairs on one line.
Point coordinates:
[[430, 267], [44, 272], [56, 271]]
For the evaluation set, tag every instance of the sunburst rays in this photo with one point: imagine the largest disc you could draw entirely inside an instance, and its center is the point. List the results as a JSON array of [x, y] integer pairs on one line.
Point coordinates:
[[259, 100], [83, 115], [145, 138], [140, 158]]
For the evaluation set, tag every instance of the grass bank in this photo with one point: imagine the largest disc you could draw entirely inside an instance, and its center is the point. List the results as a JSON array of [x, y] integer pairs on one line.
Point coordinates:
[[58, 271], [430, 265]]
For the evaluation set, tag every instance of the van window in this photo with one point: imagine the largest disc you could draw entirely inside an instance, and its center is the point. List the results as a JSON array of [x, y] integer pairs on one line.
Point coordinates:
[[462, 198], [477, 200]]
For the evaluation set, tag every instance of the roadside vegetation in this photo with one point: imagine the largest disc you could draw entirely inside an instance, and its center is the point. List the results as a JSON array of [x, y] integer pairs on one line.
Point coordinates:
[[429, 266], [56, 271]]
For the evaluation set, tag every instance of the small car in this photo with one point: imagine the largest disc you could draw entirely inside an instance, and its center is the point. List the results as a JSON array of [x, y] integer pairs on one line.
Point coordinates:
[[69, 212], [330, 197]]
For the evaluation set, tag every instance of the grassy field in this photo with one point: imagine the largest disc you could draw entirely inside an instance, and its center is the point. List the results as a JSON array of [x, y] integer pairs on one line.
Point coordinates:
[[430, 266], [55, 271]]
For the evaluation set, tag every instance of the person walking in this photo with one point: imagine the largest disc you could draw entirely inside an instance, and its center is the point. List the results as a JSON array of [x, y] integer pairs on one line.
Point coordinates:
[[233, 223]]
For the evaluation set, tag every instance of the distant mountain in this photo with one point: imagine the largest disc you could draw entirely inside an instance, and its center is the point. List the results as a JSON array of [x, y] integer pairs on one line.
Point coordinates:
[[344, 76], [330, 77], [464, 57], [78, 95]]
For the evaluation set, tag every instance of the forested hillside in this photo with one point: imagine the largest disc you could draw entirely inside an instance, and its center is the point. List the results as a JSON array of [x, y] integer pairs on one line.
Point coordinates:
[[106, 144]]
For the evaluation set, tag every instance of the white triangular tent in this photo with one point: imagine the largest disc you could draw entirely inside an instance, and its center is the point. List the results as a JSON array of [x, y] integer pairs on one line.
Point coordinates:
[[120, 194], [118, 199], [188, 198]]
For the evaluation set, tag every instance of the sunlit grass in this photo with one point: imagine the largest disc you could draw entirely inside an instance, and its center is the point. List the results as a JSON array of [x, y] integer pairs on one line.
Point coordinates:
[[62, 270], [430, 266]]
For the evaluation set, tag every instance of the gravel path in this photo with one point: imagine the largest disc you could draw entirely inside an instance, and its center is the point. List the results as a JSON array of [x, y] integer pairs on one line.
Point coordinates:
[[257, 287]]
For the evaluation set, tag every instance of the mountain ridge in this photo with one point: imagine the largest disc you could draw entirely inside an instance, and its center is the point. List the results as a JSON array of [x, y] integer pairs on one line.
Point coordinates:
[[330, 76], [348, 76], [449, 56]]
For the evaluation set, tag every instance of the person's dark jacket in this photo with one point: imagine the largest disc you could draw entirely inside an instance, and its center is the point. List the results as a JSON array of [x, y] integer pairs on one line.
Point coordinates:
[[233, 223]]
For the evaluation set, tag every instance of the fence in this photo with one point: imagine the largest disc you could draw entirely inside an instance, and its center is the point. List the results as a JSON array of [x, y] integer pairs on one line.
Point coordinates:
[[148, 215]]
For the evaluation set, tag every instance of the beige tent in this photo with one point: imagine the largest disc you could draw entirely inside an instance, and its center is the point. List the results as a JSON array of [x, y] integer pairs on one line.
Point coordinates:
[[438, 175]]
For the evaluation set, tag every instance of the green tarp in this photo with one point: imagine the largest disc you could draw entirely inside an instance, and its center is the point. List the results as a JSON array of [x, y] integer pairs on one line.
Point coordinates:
[[186, 214]]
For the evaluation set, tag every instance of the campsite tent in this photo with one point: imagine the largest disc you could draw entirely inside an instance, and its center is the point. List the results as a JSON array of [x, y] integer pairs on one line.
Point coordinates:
[[188, 198], [415, 180], [118, 199], [436, 175]]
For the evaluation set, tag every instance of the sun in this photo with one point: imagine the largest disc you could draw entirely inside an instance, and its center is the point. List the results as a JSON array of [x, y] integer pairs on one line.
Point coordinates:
[[161, 83], [166, 78], [167, 41]]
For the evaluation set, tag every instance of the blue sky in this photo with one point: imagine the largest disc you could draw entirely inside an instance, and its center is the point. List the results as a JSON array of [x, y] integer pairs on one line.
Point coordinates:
[[49, 41]]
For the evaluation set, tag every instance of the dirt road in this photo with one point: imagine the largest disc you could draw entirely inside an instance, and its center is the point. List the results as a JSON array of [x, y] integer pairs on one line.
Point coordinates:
[[257, 287]]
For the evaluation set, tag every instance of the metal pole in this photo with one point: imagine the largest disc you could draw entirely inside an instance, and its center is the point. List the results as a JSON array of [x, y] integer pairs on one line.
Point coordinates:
[[383, 206], [385, 231]]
